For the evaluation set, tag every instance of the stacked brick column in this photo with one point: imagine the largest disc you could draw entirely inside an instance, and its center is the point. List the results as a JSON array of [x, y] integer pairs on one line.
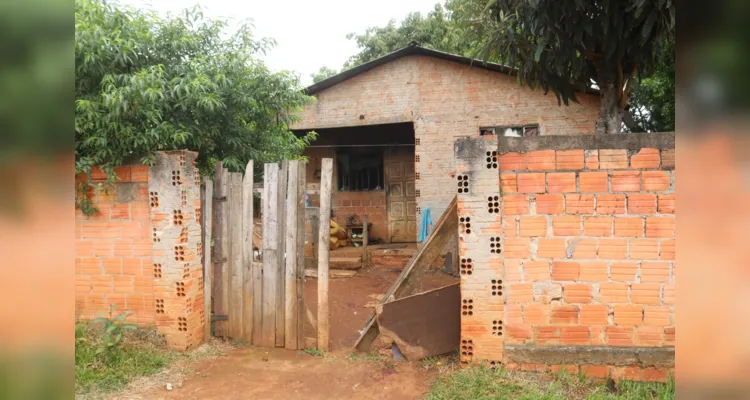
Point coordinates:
[[588, 249], [480, 264], [174, 191]]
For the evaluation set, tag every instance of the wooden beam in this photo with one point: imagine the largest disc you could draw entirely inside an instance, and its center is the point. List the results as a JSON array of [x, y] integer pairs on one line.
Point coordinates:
[[280, 270], [207, 195], [236, 242], [221, 250], [290, 275], [248, 271], [365, 238], [270, 253], [301, 204], [443, 231], [324, 234]]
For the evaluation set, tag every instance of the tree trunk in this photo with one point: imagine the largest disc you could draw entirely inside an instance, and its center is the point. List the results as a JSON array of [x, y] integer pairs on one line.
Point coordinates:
[[610, 112]]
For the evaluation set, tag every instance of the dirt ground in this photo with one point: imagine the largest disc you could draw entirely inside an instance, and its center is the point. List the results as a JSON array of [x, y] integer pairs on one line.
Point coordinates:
[[258, 373]]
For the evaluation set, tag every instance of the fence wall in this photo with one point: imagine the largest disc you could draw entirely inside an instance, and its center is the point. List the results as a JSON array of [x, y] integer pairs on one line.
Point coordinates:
[[567, 260]]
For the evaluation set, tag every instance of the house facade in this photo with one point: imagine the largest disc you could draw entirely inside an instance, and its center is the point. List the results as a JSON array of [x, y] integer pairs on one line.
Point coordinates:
[[391, 124]]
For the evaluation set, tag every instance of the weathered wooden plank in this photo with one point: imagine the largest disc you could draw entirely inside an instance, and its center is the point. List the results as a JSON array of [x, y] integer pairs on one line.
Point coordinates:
[[221, 250], [207, 195], [365, 238], [248, 272], [281, 269], [301, 204], [270, 252], [404, 285], [290, 247], [236, 267], [332, 273], [423, 325], [324, 234]]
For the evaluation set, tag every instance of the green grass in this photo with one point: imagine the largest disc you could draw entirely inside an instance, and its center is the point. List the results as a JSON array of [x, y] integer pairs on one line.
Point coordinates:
[[313, 351], [144, 353], [481, 383]]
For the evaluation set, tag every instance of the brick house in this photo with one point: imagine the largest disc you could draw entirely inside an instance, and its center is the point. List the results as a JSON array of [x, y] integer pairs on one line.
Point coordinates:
[[390, 125]]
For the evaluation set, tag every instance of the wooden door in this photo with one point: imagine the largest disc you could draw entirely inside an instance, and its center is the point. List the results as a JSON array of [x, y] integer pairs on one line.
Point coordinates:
[[400, 195]]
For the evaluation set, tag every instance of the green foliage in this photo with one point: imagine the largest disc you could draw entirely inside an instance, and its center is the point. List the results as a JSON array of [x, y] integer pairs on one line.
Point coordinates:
[[437, 30], [314, 351], [113, 334], [481, 383], [145, 83], [144, 353], [323, 73], [652, 103], [563, 45]]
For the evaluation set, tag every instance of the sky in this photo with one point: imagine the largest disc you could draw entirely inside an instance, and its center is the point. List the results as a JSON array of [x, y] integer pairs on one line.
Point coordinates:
[[309, 33]]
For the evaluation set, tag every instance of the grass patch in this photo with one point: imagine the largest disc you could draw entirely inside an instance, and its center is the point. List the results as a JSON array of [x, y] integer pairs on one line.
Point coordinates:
[[144, 352], [482, 383], [314, 351]]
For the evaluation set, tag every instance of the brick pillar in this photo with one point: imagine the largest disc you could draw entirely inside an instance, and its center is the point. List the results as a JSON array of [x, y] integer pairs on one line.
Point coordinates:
[[480, 264], [174, 199]]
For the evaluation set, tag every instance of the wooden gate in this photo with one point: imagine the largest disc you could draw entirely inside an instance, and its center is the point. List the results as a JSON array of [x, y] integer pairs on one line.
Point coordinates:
[[255, 294]]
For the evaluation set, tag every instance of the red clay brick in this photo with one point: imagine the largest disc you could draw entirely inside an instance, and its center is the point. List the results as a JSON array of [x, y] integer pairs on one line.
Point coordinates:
[[628, 226], [613, 159], [627, 315], [139, 173], [513, 162], [583, 248], [533, 226], [654, 375], [657, 316], [595, 371], [565, 271], [610, 204], [645, 293], [625, 181], [667, 158], [549, 204], [593, 182], [564, 315], [122, 174], [570, 159], [120, 211], [613, 249], [579, 203], [577, 293], [536, 270], [649, 336], [594, 314], [564, 225], [517, 248], [541, 160], [644, 249], [593, 271], [667, 250], [551, 248], [656, 181], [646, 158], [654, 272], [660, 227], [508, 183], [536, 314], [572, 335], [515, 205], [521, 293], [547, 334], [666, 203], [561, 182], [592, 159], [641, 203], [597, 226], [613, 293], [630, 373], [623, 271]]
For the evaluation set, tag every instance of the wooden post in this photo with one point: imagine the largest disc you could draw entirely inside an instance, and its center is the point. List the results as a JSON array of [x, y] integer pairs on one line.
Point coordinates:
[[221, 250], [236, 242], [365, 238], [323, 248], [301, 308], [207, 195], [290, 247], [281, 268], [248, 272], [270, 252]]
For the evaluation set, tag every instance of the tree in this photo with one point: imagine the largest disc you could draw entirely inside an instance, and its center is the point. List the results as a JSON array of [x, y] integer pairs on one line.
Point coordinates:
[[437, 30], [323, 73], [652, 104], [562, 45], [145, 83]]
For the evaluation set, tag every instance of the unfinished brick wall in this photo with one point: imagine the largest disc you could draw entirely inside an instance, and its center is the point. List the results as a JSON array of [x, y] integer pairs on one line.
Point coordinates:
[[445, 101], [142, 250], [572, 247]]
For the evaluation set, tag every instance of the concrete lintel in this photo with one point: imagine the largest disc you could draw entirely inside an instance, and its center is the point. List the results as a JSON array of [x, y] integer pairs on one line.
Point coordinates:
[[591, 355], [630, 141]]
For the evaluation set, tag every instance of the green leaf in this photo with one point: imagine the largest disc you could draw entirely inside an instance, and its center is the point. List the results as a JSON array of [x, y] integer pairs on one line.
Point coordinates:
[[539, 50]]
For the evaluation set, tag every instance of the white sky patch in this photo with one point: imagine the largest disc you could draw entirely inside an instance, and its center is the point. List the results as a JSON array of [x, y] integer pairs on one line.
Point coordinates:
[[309, 34]]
